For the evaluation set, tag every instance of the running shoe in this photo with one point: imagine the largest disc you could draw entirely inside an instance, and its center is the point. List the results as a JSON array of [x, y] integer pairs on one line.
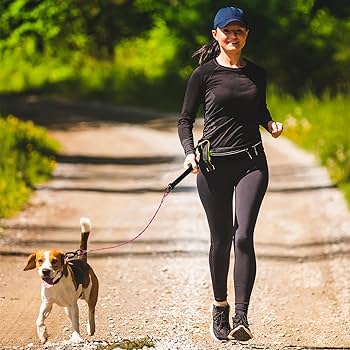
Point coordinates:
[[240, 330], [220, 327]]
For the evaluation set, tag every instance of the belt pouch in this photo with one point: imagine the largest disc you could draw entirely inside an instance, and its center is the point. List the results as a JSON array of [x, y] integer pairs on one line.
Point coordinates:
[[205, 153]]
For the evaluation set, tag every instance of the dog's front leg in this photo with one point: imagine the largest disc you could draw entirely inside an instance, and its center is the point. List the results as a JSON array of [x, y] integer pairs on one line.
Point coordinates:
[[45, 309], [73, 312]]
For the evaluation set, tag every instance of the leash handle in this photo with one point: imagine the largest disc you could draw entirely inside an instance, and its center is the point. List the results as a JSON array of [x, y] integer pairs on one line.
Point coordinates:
[[173, 184]]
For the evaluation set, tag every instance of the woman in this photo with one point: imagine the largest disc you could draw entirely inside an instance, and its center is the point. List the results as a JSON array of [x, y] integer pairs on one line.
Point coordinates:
[[232, 162]]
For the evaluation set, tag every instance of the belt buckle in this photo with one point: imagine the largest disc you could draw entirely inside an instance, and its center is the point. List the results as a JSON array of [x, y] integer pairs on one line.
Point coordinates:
[[254, 149]]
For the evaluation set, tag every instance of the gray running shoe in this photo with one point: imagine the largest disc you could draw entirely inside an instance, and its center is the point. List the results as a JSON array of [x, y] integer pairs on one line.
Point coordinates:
[[220, 327]]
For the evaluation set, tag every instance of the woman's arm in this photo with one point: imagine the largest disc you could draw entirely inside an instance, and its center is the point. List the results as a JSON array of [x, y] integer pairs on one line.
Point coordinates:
[[273, 127], [192, 100], [264, 113]]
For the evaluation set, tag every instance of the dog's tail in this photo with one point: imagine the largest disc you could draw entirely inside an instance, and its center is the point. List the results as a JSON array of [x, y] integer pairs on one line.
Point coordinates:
[[85, 224]]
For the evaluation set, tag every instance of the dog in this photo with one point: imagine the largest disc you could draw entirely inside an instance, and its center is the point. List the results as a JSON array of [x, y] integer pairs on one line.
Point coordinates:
[[63, 283]]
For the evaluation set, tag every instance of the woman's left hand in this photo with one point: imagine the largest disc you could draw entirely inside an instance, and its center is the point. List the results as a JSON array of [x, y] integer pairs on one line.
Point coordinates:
[[275, 128]]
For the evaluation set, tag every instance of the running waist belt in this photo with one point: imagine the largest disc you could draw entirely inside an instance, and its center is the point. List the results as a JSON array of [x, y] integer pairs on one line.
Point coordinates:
[[206, 152]]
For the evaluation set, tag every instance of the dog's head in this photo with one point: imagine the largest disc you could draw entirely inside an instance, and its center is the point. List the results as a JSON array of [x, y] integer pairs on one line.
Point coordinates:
[[51, 265]]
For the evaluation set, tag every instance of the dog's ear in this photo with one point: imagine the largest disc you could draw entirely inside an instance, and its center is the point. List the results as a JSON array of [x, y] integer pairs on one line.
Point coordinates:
[[31, 264], [64, 264]]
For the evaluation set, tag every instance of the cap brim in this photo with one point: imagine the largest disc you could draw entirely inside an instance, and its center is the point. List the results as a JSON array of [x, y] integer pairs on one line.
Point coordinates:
[[230, 20]]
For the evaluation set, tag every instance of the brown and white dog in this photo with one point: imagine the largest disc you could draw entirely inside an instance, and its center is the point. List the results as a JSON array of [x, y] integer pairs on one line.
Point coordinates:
[[63, 283]]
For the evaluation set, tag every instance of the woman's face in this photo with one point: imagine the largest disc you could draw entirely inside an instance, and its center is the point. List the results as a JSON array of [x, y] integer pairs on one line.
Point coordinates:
[[232, 37]]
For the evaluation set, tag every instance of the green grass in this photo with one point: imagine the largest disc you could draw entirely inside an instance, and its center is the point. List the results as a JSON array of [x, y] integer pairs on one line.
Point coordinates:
[[127, 344], [27, 158], [321, 126]]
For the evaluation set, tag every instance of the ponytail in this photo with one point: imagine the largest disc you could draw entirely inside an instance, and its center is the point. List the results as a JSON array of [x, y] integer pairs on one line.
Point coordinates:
[[207, 52]]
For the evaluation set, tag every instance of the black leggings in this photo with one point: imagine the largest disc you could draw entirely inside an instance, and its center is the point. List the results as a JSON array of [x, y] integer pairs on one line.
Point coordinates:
[[247, 179]]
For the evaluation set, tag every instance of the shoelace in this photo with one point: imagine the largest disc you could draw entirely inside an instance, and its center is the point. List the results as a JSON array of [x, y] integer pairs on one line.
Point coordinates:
[[221, 319], [240, 319]]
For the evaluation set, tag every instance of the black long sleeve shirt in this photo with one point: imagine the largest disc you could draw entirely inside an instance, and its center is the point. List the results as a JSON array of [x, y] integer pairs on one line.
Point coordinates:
[[234, 101]]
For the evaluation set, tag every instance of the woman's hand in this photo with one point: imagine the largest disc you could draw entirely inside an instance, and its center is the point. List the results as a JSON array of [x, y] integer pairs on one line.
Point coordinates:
[[191, 159], [275, 128]]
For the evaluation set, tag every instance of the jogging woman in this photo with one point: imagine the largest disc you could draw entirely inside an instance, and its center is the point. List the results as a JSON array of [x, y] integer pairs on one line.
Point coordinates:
[[232, 161]]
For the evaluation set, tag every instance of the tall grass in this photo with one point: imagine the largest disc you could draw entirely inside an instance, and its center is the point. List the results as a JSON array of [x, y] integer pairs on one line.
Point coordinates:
[[27, 158], [321, 126]]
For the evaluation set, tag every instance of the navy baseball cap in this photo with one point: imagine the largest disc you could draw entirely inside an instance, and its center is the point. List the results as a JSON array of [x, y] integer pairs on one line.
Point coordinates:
[[229, 14]]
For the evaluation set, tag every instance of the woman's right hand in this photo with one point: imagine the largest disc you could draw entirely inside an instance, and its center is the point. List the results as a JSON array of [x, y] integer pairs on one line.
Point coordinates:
[[191, 159]]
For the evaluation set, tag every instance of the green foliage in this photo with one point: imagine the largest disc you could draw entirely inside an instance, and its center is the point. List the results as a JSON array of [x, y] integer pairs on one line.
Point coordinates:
[[320, 125], [299, 42], [151, 55], [302, 44], [61, 27], [135, 344], [27, 158]]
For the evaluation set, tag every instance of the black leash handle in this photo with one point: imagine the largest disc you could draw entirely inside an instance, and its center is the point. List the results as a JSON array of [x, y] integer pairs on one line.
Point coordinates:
[[173, 184]]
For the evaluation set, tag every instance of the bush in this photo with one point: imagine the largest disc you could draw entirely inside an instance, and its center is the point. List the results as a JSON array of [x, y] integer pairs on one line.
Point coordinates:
[[27, 158]]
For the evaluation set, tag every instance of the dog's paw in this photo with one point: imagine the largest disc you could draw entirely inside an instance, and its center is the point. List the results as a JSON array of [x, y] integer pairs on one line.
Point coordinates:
[[90, 328], [76, 338], [42, 334], [43, 338]]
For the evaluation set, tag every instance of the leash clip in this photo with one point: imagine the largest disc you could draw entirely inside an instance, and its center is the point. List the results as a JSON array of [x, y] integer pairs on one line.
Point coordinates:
[[75, 254]]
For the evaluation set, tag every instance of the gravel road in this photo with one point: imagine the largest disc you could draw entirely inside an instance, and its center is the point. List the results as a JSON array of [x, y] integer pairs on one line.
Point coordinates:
[[114, 170]]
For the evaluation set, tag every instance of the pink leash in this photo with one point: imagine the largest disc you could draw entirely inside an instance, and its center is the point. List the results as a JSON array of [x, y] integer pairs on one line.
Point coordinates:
[[170, 187]]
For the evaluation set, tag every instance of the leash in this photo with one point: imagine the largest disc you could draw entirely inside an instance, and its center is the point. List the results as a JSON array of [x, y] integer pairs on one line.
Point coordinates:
[[168, 189]]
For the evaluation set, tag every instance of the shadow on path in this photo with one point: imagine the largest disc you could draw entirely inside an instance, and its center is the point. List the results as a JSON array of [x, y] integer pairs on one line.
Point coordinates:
[[194, 253], [102, 160], [136, 190], [295, 189], [192, 247], [63, 114]]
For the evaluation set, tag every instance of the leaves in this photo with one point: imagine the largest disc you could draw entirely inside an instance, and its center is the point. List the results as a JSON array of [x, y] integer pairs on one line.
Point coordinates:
[[27, 158], [301, 43]]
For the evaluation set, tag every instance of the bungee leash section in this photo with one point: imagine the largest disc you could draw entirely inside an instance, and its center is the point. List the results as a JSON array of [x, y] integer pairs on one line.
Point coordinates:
[[80, 252]]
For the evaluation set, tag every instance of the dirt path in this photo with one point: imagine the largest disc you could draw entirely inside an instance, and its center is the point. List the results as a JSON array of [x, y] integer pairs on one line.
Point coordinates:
[[159, 286]]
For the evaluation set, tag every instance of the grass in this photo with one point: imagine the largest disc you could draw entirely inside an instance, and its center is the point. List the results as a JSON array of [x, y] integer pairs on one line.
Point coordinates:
[[27, 158], [129, 344], [321, 126]]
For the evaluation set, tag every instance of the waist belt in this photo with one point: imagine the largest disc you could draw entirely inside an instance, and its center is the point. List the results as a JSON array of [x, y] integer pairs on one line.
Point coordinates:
[[227, 152], [206, 152]]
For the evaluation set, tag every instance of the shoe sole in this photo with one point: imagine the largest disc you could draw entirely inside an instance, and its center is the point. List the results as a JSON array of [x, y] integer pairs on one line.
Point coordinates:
[[240, 333]]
